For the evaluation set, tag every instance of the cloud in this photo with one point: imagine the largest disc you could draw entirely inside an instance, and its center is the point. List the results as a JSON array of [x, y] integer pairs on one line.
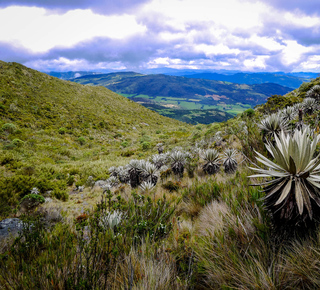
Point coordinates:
[[61, 6], [40, 32], [307, 6], [231, 34]]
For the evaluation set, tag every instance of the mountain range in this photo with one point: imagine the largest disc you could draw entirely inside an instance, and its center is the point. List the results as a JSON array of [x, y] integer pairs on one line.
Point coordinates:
[[184, 98]]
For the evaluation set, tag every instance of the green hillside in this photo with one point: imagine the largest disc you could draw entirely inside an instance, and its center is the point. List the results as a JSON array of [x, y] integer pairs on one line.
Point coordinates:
[[160, 92], [230, 205], [51, 128]]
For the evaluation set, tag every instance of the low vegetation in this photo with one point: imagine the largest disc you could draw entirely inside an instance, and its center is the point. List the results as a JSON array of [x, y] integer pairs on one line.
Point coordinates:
[[232, 205]]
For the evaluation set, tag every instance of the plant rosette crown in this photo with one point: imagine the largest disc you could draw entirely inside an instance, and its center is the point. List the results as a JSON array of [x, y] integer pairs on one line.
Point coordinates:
[[295, 176]]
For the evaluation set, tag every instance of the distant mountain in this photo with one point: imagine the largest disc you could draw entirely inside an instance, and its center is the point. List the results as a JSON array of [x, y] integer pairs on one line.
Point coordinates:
[[168, 94], [70, 74], [204, 91], [291, 81]]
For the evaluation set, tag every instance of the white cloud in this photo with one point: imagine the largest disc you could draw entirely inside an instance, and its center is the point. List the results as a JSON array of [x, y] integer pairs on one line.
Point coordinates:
[[38, 31], [64, 64], [255, 63], [293, 52], [211, 50]]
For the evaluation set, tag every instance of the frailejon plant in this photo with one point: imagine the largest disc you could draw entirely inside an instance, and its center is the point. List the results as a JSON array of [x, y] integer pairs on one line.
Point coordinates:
[[272, 125], [149, 172], [309, 105], [289, 114], [212, 158], [178, 161], [293, 194], [229, 162], [314, 92], [134, 169]]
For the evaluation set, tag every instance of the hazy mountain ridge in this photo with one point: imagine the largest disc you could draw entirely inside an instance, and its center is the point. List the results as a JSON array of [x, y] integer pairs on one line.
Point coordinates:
[[189, 88], [253, 78]]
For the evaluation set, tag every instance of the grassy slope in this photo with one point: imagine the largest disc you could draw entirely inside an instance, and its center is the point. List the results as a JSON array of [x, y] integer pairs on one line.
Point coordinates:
[[110, 128], [218, 237]]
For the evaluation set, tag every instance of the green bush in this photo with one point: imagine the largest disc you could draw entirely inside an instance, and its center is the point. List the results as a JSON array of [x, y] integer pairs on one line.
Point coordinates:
[[249, 112], [125, 144], [70, 180], [82, 140], [9, 127], [32, 200], [146, 145], [172, 185], [127, 153], [17, 143], [62, 130], [7, 158], [60, 194]]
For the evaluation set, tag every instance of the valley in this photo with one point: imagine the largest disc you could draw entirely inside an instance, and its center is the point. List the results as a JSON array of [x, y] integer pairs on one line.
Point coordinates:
[[185, 96]]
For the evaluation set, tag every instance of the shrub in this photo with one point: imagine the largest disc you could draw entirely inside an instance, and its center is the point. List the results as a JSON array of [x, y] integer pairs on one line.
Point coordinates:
[[7, 158], [124, 144], [81, 140], [60, 194], [70, 180], [32, 200], [127, 153], [172, 185], [249, 112], [9, 127], [62, 130], [17, 142], [146, 145]]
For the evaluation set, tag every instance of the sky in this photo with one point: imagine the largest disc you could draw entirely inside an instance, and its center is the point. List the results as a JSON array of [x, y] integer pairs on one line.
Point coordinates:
[[93, 35]]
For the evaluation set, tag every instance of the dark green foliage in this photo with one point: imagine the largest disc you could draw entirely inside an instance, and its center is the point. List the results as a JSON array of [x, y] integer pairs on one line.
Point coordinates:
[[146, 145], [17, 143], [277, 102], [62, 130], [250, 112], [70, 180], [31, 201], [172, 185], [202, 193], [81, 140], [60, 194], [125, 144], [127, 153], [9, 127]]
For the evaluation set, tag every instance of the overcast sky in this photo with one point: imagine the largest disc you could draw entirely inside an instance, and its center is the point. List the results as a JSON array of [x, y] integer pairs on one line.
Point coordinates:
[[247, 35]]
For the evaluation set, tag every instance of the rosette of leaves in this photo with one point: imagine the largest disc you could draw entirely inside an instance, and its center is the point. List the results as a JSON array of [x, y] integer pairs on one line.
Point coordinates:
[[229, 161], [134, 169], [314, 92], [289, 114], [309, 105], [272, 125], [149, 172], [111, 220], [113, 181], [113, 171], [212, 158], [178, 160], [146, 186], [292, 194], [123, 175], [159, 160]]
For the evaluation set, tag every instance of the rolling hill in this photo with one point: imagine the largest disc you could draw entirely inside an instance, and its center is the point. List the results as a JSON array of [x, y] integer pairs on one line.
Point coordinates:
[[253, 78], [160, 92], [51, 129]]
